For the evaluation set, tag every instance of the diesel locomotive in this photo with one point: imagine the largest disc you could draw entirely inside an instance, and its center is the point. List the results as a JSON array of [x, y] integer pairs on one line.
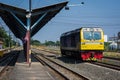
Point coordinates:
[[83, 43]]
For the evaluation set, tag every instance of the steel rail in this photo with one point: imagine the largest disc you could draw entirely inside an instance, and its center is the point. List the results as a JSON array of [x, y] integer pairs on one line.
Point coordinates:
[[46, 64], [49, 62], [115, 67], [112, 58]]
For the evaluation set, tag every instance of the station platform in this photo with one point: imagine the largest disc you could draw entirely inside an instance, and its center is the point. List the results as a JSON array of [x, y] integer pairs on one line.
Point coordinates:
[[22, 71]]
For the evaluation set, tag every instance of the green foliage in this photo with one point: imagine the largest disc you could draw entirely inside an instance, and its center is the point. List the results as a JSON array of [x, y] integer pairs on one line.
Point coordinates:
[[106, 44], [35, 42], [4, 37], [3, 33], [51, 43], [57, 43], [47, 43], [7, 40]]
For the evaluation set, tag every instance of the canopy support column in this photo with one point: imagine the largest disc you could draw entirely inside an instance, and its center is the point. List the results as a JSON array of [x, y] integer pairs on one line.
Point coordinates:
[[28, 36]]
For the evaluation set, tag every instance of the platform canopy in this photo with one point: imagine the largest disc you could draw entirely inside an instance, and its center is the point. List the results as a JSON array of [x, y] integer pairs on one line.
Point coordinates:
[[16, 20]]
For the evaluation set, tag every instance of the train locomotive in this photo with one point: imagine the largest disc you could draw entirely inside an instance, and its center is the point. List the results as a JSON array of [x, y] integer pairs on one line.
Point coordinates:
[[83, 43]]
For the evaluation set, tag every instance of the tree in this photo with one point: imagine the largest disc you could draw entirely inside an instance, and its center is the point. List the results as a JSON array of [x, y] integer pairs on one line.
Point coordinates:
[[4, 37], [49, 43], [7, 39], [106, 44], [3, 33], [35, 42], [57, 43]]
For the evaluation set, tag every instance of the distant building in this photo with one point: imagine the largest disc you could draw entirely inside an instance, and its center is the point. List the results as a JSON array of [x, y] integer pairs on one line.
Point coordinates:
[[118, 46], [105, 38], [114, 38], [113, 45]]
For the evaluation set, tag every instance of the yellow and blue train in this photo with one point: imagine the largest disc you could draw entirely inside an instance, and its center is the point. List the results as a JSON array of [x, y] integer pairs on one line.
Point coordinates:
[[86, 43]]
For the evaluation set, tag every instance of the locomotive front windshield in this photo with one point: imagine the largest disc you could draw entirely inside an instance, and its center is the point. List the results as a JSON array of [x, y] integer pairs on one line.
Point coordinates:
[[92, 35]]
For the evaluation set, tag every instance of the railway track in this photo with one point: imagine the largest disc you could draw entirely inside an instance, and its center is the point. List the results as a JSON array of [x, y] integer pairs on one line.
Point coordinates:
[[50, 52], [112, 58], [65, 72], [115, 67], [86, 68], [108, 65], [7, 63]]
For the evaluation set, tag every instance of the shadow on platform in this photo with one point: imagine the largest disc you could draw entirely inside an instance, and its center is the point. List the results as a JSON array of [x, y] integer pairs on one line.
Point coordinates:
[[5, 59], [22, 58], [71, 60]]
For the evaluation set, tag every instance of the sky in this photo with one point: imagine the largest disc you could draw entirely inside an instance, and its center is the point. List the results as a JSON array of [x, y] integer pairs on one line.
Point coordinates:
[[93, 13]]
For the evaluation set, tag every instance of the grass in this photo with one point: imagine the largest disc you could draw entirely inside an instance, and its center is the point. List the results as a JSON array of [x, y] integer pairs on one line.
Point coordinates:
[[111, 54], [48, 48]]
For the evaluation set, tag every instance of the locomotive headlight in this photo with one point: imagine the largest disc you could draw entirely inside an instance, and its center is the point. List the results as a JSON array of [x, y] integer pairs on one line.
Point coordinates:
[[101, 43], [83, 43]]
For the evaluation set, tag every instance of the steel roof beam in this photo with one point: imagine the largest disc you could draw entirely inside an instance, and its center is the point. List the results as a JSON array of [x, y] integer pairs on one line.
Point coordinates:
[[39, 20], [18, 20]]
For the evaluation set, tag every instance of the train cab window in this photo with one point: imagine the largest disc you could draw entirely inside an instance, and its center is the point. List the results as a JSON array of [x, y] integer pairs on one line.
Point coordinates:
[[97, 35], [87, 35], [91, 35]]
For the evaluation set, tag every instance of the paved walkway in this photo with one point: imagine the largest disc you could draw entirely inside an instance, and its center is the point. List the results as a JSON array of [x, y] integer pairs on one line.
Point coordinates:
[[22, 71]]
